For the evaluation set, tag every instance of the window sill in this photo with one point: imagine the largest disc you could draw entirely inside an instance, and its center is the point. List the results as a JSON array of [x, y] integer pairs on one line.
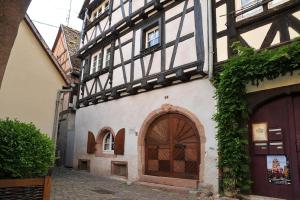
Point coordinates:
[[105, 155], [108, 151], [96, 74], [249, 14], [150, 49]]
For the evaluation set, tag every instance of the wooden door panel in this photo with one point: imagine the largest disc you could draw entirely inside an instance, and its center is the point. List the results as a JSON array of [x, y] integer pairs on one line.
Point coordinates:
[[172, 140], [158, 148], [152, 165], [164, 165], [276, 115], [296, 101], [179, 154], [191, 167], [179, 166], [191, 154], [164, 154], [152, 154], [158, 132]]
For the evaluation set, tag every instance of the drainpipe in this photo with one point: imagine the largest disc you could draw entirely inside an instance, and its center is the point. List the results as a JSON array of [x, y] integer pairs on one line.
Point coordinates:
[[210, 40], [56, 114]]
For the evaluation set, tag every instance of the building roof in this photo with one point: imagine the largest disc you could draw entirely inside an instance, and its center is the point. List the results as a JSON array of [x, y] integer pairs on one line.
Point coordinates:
[[72, 38], [72, 42], [46, 48]]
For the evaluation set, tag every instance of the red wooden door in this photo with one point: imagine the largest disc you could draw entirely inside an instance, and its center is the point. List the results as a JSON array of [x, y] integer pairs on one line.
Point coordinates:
[[296, 143], [270, 176], [172, 148]]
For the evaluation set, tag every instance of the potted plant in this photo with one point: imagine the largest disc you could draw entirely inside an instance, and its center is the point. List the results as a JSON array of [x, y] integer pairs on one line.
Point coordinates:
[[26, 155]]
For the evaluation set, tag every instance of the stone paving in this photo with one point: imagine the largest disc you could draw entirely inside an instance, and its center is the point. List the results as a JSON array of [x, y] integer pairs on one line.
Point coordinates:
[[79, 185]]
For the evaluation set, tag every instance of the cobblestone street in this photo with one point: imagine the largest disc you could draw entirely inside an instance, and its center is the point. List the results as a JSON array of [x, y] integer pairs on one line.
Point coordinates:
[[79, 185]]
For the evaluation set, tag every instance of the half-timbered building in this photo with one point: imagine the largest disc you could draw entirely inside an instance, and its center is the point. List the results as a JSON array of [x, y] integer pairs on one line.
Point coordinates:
[[65, 50], [274, 104], [145, 103]]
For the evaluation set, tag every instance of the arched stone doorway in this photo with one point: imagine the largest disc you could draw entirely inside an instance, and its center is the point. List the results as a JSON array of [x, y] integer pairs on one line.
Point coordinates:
[[171, 144]]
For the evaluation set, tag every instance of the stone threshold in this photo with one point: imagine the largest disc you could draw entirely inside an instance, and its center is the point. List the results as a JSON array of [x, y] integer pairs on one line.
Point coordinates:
[[168, 188], [257, 197], [189, 184]]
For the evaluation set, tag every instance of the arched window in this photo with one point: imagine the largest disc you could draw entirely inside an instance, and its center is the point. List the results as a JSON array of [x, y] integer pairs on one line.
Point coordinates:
[[108, 142]]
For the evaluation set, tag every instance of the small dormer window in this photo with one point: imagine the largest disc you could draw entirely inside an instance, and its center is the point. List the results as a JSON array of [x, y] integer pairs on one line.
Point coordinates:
[[95, 15], [106, 6], [99, 12]]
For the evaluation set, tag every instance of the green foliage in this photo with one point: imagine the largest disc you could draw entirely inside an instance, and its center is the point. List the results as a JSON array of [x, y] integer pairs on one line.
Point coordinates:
[[248, 66], [24, 151]]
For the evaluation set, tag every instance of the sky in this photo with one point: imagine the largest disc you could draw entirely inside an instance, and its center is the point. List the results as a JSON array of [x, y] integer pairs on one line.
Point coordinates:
[[54, 13]]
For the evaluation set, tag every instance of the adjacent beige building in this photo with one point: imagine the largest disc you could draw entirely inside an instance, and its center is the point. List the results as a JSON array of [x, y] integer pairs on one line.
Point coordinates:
[[31, 80]]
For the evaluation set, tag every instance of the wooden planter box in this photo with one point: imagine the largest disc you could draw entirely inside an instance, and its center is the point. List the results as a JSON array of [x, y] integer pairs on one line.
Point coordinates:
[[19, 189]]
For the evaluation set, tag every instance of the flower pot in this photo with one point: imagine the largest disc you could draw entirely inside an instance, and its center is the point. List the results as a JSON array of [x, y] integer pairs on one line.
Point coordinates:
[[30, 188]]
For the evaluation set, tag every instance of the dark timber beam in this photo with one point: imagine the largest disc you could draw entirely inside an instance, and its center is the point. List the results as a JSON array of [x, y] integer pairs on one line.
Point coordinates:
[[11, 14]]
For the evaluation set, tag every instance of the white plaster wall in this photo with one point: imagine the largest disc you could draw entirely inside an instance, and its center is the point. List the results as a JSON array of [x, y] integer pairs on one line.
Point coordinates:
[[104, 24], [221, 18], [251, 36], [174, 11], [137, 69], [116, 16], [172, 29], [186, 52], [281, 81], [222, 50], [130, 112], [126, 37], [137, 4]]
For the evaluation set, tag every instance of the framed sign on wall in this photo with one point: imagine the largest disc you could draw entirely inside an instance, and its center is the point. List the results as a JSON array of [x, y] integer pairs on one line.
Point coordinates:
[[260, 132]]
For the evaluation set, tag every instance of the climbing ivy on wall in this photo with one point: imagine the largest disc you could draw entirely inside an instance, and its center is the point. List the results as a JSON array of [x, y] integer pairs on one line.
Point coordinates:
[[248, 66]]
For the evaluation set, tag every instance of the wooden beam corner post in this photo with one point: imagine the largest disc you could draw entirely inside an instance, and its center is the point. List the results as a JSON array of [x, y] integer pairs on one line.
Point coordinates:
[[47, 188]]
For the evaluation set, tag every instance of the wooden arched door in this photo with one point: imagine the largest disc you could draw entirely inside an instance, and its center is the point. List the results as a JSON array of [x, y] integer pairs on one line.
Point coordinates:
[[172, 147]]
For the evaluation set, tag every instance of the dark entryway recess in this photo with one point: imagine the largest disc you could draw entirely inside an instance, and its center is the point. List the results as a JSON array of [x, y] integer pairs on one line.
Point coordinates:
[[172, 147], [282, 116]]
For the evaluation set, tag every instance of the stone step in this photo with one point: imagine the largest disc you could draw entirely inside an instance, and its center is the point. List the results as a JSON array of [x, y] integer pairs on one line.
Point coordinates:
[[169, 188], [257, 197], [177, 182]]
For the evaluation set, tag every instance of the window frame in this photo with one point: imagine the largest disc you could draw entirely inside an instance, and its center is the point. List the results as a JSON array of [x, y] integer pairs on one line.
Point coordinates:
[[106, 8], [99, 65], [94, 64], [144, 40], [107, 53], [252, 12], [111, 143], [154, 30]]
